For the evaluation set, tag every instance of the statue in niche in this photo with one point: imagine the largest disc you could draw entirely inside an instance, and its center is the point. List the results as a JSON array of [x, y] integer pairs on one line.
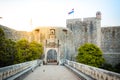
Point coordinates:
[[52, 31]]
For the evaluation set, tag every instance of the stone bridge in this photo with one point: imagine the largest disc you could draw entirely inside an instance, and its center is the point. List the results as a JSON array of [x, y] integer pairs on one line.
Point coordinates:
[[66, 70]]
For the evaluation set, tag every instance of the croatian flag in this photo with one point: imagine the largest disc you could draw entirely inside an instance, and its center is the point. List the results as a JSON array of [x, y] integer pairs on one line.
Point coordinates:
[[72, 11]]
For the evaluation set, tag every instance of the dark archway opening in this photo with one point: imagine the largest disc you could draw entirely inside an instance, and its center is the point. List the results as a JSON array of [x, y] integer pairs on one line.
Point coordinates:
[[51, 56]]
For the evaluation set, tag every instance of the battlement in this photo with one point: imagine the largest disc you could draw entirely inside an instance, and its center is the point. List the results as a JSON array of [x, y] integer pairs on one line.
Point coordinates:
[[73, 21], [89, 19]]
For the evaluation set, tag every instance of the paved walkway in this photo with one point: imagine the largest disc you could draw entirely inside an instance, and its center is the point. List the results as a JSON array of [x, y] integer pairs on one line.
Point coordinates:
[[52, 72]]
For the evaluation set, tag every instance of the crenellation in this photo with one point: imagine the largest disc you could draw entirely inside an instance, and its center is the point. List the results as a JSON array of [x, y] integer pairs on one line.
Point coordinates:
[[73, 20], [88, 19]]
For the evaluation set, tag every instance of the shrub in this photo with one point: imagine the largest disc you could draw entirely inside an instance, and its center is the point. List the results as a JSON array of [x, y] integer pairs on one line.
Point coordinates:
[[90, 54]]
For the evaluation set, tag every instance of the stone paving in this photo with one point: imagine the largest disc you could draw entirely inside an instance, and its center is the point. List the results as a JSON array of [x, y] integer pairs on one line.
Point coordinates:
[[52, 72]]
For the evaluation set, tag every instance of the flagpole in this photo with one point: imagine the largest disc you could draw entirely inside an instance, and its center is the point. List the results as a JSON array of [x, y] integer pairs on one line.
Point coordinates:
[[73, 15]]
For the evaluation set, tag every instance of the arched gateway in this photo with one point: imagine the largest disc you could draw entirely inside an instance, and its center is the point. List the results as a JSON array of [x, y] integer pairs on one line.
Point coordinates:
[[52, 55], [51, 48]]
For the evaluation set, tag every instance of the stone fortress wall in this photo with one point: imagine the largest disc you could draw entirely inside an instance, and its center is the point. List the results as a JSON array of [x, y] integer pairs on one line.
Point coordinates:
[[41, 34], [16, 35], [78, 32], [85, 31], [89, 30], [110, 44], [66, 45], [110, 39]]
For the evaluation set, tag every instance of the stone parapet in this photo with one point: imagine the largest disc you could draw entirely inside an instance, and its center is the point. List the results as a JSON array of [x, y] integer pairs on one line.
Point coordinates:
[[96, 73], [10, 72]]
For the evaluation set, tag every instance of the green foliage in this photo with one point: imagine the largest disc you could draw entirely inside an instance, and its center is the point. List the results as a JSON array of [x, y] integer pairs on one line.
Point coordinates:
[[16, 52], [2, 38], [27, 51], [2, 35], [36, 50], [117, 68], [22, 51], [90, 54], [7, 50], [107, 66]]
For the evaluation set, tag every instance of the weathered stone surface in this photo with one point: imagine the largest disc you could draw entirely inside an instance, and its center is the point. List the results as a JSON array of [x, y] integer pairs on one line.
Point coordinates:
[[66, 43], [90, 30], [16, 35], [112, 58], [110, 39], [110, 44], [41, 34], [85, 31]]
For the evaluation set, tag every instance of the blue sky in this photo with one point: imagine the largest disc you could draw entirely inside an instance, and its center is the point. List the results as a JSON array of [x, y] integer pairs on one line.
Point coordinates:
[[17, 14]]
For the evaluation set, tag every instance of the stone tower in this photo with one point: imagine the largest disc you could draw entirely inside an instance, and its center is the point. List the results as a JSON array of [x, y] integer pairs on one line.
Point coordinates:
[[86, 31], [98, 15]]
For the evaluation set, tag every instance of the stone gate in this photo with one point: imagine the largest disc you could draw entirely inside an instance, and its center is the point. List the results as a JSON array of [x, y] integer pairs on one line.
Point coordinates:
[[51, 48]]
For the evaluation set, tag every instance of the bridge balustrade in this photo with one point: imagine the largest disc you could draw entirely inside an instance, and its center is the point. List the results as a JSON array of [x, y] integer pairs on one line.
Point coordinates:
[[8, 71], [96, 73]]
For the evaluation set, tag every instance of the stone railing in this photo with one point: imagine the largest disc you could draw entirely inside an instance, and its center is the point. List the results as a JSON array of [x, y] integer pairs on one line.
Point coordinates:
[[10, 71], [96, 73]]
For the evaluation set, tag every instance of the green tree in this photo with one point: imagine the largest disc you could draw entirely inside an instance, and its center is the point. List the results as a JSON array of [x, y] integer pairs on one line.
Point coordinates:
[[22, 51], [7, 50], [36, 49], [27, 51], [17, 52], [90, 54], [2, 35]]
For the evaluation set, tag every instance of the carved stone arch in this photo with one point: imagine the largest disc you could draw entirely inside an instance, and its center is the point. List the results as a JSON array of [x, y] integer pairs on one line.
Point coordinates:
[[46, 59], [52, 55]]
